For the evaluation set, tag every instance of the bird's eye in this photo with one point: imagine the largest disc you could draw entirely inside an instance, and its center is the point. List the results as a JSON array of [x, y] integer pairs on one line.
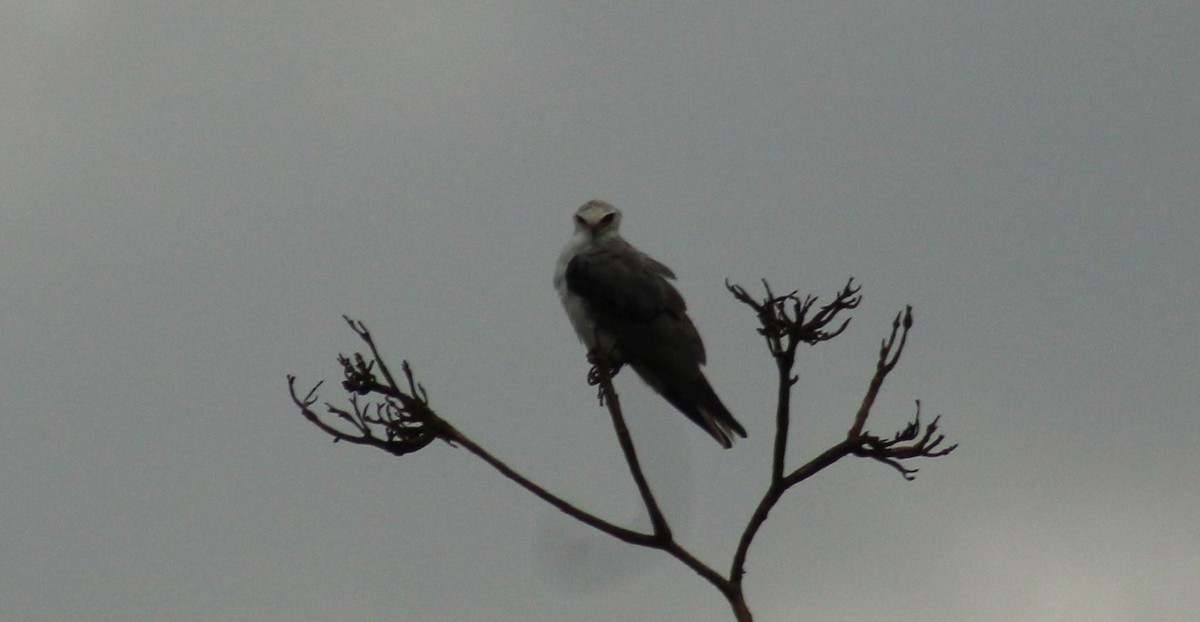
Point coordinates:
[[579, 219], [607, 218]]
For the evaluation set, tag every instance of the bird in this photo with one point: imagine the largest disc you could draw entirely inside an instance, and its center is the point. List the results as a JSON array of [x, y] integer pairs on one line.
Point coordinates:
[[625, 310]]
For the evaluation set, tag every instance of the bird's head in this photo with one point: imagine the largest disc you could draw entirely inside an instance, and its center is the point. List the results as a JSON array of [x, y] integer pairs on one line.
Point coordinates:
[[597, 219]]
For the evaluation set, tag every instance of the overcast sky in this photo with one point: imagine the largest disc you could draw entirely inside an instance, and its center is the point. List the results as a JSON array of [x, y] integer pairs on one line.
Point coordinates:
[[193, 194]]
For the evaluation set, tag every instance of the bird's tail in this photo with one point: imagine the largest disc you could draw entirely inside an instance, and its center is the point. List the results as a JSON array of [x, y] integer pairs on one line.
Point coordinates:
[[715, 418], [695, 398]]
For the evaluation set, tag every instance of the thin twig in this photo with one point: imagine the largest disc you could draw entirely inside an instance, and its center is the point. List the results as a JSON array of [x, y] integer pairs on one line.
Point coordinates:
[[887, 362], [612, 401], [587, 518], [663, 537]]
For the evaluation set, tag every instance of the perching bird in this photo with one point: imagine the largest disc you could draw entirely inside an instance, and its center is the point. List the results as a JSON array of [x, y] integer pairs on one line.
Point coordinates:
[[623, 308]]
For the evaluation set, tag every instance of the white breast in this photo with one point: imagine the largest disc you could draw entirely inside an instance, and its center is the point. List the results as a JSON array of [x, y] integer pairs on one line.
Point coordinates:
[[576, 309]]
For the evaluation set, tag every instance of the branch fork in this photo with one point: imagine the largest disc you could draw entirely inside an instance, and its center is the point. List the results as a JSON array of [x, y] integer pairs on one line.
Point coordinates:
[[401, 421]]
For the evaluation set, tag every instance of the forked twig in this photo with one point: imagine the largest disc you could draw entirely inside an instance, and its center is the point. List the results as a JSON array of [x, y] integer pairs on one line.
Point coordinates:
[[399, 419]]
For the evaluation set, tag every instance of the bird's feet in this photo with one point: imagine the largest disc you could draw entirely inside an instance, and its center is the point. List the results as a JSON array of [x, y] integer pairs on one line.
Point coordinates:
[[604, 366]]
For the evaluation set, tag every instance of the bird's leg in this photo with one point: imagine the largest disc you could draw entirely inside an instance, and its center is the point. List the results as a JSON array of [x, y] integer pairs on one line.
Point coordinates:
[[605, 365], [602, 361]]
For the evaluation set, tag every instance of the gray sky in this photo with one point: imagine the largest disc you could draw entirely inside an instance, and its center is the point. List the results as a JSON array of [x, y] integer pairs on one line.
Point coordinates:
[[194, 194]]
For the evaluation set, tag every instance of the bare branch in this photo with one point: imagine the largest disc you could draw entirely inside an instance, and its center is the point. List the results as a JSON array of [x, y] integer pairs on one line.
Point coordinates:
[[601, 375], [887, 362], [621, 533], [785, 322], [774, 492], [402, 422], [399, 419], [608, 397], [906, 444]]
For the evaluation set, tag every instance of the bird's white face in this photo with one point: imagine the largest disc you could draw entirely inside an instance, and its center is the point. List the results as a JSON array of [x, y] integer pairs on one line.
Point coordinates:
[[597, 218]]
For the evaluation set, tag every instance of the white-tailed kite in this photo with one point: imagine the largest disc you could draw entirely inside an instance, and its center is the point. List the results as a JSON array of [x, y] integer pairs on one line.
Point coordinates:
[[623, 308]]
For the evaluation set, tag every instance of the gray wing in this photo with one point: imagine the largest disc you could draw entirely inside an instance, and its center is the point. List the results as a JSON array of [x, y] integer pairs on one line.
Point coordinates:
[[630, 300], [628, 295]]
